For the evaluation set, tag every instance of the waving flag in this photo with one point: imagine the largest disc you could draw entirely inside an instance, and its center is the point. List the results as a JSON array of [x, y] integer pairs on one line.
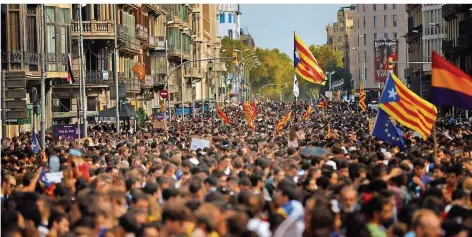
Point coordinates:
[[284, 121], [386, 131], [407, 108], [70, 76], [296, 90], [305, 63], [222, 115], [254, 108], [306, 116], [450, 85], [362, 97], [35, 143], [322, 103]]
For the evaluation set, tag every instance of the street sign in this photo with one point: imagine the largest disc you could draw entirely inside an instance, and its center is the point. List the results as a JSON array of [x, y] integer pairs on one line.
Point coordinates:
[[163, 94]]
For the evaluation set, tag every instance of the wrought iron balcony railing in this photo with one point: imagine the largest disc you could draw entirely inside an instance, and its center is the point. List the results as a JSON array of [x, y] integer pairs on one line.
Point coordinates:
[[142, 32], [94, 29], [92, 77]]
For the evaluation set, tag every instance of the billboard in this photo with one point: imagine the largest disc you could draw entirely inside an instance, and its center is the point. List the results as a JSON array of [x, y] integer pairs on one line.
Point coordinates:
[[385, 54]]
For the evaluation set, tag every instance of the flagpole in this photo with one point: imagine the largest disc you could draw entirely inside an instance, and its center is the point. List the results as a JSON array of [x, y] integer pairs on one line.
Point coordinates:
[[435, 140]]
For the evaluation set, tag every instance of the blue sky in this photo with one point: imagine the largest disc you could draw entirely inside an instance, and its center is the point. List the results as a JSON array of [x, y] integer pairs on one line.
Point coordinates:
[[272, 25]]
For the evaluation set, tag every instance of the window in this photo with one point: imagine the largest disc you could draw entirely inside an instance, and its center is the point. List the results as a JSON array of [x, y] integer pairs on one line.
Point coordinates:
[[394, 6], [375, 7], [365, 40], [375, 19], [385, 21], [222, 18], [395, 35], [363, 7], [375, 36], [364, 22], [358, 23], [385, 6], [365, 72], [61, 104], [230, 18], [394, 20], [385, 35], [57, 35], [230, 34]]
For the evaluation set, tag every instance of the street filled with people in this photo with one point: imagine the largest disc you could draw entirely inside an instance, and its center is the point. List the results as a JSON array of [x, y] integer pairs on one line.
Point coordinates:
[[319, 175]]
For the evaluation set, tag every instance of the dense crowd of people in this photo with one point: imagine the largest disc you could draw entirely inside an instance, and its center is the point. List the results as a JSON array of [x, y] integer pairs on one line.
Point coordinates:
[[298, 181]]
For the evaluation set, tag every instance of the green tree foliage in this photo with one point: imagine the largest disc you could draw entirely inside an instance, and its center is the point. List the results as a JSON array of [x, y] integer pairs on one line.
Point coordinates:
[[277, 68]]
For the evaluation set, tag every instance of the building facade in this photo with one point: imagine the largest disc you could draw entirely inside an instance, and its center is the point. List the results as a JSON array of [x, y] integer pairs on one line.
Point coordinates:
[[457, 47], [338, 33], [375, 22], [191, 32], [229, 20]]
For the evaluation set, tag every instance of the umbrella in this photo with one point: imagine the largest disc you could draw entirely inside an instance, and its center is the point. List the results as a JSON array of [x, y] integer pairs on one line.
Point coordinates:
[[313, 151]]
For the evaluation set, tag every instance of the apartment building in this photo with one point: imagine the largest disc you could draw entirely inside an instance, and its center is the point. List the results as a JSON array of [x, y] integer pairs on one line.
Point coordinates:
[[229, 20], [457, 47], [375, 22], [338, 33], [142, 30]]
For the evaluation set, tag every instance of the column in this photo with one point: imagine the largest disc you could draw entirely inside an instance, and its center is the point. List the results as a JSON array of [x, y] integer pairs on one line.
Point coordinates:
[[92, 7]]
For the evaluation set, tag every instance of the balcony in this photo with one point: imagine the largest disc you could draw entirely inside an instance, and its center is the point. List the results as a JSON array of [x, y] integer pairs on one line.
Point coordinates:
[[174, 51], [193, 72], [457, 47], [20, 60], [142, 33], [128, 43], [151, 8], [93, 78], [156, 42], [450, 11], [133, 85], [94, 29]]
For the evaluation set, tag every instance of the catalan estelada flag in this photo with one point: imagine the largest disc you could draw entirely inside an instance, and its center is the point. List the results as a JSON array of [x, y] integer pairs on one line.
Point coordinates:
[[322, 102], [306, 116], [305, 63], [222, 115], [407, 108], [362, 97], [284, 121], [450, 85]]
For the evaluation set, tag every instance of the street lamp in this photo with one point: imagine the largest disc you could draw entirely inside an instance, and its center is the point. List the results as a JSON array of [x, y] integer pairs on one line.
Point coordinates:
[[329, 76]]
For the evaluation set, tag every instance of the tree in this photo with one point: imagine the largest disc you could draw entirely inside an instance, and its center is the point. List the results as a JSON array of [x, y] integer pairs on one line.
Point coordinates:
[[327, 57]]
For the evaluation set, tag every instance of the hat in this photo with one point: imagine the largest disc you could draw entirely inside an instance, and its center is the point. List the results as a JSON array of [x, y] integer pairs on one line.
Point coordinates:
[[351, 149], [75, 152], [331, 163]]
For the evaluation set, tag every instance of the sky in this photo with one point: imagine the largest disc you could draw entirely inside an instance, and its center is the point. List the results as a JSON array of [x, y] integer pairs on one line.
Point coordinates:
[[272, 25]]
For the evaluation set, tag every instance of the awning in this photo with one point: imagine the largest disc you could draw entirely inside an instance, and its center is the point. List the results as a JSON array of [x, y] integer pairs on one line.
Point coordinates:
[[126, 111]]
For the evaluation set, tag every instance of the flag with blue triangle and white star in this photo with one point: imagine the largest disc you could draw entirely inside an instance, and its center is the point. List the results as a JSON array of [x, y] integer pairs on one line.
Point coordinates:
[[35, 143]]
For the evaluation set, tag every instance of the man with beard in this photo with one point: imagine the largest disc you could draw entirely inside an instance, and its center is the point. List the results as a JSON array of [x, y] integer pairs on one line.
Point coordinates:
[[349, 199]]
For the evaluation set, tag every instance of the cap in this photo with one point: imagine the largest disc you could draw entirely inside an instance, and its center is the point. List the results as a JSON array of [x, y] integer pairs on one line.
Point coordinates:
[[331, 163], [75, 152]]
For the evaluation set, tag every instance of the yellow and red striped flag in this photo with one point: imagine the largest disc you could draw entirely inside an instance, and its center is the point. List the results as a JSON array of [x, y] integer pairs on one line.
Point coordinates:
[[362, 98], [407, 108], [305, 63], [284, 121], [140, 71], [222, 115], [306, 116]]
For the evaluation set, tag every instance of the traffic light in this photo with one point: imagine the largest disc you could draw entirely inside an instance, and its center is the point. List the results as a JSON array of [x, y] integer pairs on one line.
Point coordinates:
[[235, 57]]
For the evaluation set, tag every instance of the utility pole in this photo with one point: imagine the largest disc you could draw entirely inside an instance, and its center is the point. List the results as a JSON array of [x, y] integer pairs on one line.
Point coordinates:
[[43, 81], [182, 76], [115, 72], [82, 72], [167, 80]]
